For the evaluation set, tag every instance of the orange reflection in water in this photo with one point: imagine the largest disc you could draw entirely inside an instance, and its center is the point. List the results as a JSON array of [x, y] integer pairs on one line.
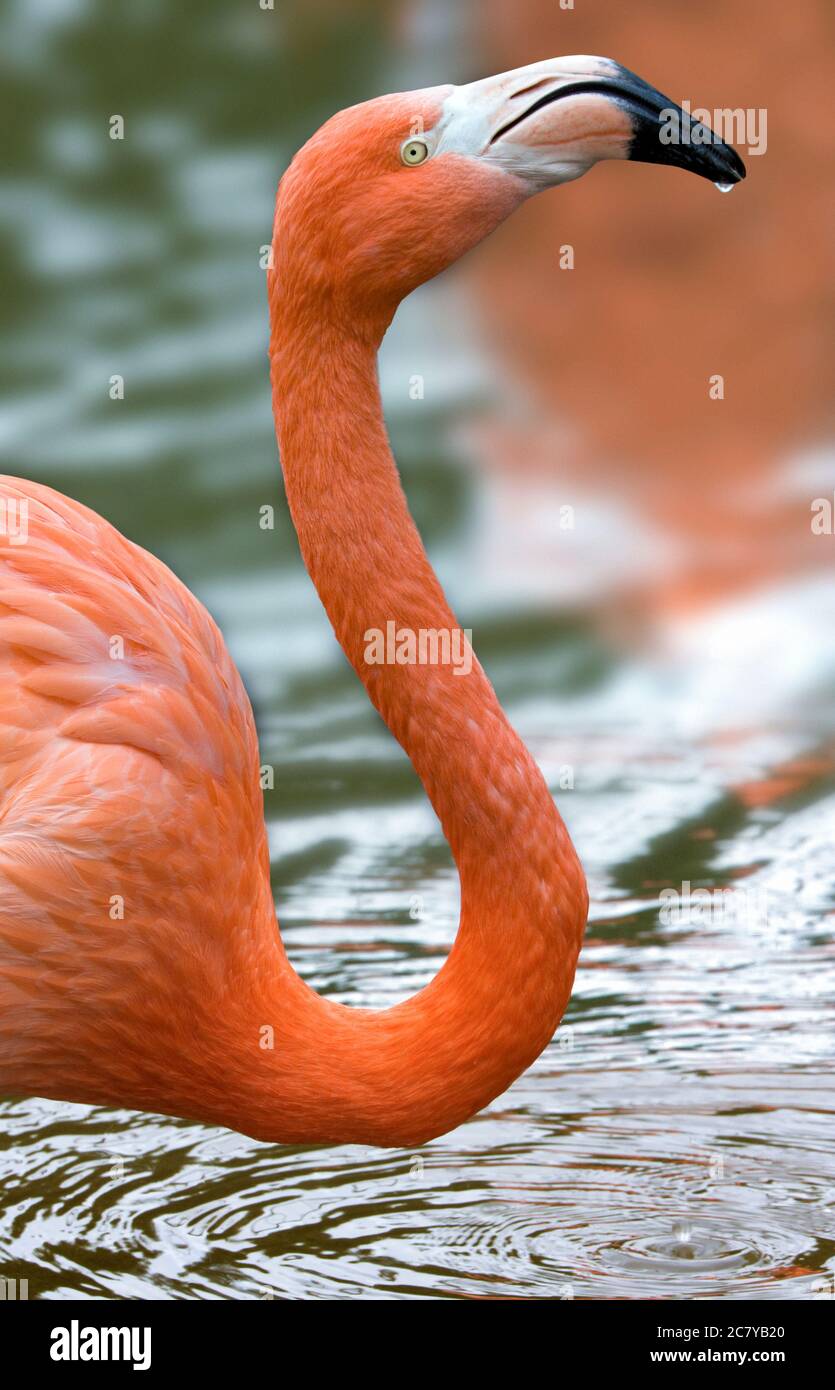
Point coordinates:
[[673, 284]]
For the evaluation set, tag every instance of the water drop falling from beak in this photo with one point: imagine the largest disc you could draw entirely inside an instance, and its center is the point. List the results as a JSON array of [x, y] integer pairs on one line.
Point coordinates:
[[725, 187]]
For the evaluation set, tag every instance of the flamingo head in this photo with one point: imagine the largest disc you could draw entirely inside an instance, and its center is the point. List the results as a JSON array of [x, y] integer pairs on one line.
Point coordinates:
[[389, 193]]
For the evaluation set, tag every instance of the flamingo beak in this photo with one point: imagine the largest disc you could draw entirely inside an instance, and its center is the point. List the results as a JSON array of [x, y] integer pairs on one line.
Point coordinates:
[[550, 122]]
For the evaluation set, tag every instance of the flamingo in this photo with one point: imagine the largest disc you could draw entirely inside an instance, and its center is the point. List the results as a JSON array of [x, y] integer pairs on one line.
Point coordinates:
[[140, 960]]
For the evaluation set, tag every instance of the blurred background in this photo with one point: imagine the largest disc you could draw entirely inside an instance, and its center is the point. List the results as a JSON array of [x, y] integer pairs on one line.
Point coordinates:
[[645, 587]]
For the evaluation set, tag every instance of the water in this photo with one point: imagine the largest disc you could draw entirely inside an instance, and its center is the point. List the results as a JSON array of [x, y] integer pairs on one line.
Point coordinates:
[[675, 1140]]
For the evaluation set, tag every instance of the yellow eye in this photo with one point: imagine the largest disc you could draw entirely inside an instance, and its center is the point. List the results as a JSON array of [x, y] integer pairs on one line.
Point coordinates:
[[414, 151]]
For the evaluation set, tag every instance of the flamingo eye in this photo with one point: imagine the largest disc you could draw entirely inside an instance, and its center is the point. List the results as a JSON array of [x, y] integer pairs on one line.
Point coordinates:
[[414, 151]]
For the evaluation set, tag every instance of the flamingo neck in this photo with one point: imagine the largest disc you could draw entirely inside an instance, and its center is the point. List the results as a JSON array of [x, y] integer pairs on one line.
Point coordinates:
[[414, 1071]]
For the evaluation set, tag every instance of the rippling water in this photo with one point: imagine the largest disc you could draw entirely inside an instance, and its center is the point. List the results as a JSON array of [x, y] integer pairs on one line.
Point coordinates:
[[675, 1140]]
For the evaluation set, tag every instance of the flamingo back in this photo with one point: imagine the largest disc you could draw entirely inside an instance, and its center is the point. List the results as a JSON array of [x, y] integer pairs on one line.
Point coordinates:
[[135, 901]]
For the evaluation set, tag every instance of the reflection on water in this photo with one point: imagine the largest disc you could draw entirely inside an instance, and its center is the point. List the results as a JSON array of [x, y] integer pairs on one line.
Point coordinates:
[[675, 1140]]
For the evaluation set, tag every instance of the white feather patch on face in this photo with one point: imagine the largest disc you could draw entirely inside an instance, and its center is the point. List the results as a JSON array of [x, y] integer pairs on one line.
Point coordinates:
[[550, 148]]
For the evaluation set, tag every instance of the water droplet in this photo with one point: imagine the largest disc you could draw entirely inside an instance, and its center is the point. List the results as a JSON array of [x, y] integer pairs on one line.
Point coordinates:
[[725, 187]]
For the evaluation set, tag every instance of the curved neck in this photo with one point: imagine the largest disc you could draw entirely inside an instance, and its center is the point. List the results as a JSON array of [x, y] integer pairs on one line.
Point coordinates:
[[411, 1072]]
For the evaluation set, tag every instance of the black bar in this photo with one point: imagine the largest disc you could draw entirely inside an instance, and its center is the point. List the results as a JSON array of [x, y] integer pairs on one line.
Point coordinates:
[[601, 1338]]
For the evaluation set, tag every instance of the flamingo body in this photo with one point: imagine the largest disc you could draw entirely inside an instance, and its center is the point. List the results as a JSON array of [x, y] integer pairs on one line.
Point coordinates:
[[134, 874]]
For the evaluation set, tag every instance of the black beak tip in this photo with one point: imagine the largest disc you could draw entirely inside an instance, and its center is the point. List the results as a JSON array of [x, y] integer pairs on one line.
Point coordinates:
[[710, 158], [664, 134], [736, 163], [719, 162], [722, 164]]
